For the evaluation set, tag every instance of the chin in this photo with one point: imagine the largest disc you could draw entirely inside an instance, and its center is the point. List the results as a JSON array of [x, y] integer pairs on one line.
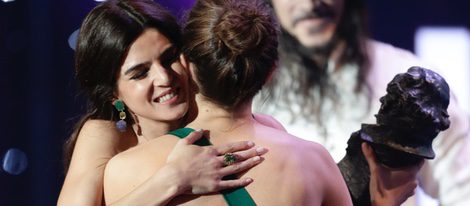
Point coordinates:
[[316, 40], [314, 43], [179, 112]]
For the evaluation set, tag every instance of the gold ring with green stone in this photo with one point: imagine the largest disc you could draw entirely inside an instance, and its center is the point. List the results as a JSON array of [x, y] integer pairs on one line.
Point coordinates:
[[229, 158]]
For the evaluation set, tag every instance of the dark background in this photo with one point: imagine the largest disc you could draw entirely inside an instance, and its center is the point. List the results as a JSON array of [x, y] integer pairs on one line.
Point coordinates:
[[38, 100]]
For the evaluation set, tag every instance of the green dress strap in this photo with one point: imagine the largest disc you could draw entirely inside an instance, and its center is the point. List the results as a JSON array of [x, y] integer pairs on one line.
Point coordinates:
[[234, 197]]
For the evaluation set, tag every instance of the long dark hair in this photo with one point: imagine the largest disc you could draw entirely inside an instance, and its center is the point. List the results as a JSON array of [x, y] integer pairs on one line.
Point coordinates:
[[105, 37], [233, 45], [311, 83]]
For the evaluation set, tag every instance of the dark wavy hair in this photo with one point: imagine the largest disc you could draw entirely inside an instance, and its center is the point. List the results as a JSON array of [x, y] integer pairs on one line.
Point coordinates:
[[233, 45], [311, 81], [105, 37]]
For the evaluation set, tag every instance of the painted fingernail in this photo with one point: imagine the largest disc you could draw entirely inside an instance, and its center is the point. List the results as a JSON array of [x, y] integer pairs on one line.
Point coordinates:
[[250, 143]]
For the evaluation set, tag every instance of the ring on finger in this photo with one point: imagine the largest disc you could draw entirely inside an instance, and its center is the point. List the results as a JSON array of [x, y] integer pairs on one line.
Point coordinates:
[[229, 158]]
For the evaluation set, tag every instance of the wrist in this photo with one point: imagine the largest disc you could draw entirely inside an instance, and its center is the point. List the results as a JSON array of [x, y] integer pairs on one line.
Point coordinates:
[[174, 181], [383, 203]]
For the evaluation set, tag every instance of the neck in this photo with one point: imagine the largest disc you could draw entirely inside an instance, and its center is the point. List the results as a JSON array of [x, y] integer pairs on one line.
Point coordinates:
[[218, 120]]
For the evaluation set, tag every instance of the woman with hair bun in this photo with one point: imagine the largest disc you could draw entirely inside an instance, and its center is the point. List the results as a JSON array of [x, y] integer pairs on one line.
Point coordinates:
[[128, 66], [231, 50]]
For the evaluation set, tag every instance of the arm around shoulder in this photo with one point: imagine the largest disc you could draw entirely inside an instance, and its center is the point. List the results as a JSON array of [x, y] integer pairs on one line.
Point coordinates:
[[96, 143], [158, 189]]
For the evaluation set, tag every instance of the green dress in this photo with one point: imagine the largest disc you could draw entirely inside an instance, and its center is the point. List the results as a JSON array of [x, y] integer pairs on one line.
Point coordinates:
[[233, 197]]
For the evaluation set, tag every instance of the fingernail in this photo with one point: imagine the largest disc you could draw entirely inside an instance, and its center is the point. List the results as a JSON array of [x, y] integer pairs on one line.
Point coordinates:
[[256, 159], [251, 144], [261, 150], [248, 180], [199, 130]]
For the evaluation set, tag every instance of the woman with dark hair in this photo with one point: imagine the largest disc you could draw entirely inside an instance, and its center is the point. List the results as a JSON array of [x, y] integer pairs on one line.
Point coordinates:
[[231, 48], [127, 64]]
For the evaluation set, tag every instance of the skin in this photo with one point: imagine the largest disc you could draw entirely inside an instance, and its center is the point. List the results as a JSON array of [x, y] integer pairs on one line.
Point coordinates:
[[305, 170], [153, 84], [392, 186], [302, 19], [98, 140]]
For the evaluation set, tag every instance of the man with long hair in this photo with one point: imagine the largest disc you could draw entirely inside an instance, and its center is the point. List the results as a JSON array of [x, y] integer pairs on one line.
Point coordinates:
[[330, 79]]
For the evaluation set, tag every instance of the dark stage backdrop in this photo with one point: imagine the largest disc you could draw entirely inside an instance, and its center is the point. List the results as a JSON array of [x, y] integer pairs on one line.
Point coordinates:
[[38, 100]]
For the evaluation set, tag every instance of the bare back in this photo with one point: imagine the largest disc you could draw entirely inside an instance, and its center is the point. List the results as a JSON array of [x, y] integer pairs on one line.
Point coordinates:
[[294, 172]]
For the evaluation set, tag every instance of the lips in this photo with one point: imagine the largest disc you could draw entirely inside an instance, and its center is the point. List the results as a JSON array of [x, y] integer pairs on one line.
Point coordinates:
[[166, 96]]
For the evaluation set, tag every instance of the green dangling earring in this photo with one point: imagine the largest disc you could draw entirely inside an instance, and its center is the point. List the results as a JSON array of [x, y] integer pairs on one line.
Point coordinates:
[[121, 125]]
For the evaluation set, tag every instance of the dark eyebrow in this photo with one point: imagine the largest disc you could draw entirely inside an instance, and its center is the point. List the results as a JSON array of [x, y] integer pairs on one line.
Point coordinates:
[[134, 67], [168, 52]]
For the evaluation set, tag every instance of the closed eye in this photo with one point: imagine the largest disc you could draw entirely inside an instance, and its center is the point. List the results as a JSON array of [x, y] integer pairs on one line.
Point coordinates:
[[139, 71]]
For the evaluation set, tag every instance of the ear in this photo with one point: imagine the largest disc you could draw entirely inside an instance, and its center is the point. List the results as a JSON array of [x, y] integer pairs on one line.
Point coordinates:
[[187, 65], [190, 68], [115, 96], [184, 61]]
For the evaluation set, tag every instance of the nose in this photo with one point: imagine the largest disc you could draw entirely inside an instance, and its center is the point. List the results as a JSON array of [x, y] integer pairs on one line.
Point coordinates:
[[161, 76], [312, 4], [305, 5]]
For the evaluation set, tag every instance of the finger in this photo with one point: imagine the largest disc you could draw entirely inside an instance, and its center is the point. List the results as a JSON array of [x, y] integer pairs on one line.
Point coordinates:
[[369, 155], [241, 166], [246, 154], [375, 184], [192, 137], [408, 191], [234, 147], [228, 184], [419, 165]]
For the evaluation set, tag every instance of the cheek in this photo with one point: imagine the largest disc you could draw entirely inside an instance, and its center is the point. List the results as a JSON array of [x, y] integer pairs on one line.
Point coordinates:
[[131, 91], [282, 10]]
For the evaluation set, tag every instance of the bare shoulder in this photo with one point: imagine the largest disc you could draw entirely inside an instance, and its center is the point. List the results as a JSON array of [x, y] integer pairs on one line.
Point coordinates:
[[129, 169], [292, 143], [312, 166], [295, 151], [324, 172], [97, 143], [313, 155], [129, 161], [269, 121], [106, 131], [119, 174]]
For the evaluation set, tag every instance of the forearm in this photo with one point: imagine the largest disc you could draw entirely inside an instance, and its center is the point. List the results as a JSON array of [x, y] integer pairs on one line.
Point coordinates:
[[82, 189], [160, 189]]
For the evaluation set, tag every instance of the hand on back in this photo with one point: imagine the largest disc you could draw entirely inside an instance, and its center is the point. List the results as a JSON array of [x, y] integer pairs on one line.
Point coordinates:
[[203, 168]]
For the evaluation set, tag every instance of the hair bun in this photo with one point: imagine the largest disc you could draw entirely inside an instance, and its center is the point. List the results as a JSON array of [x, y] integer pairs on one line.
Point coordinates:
[[233, 47], [242, 29]]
